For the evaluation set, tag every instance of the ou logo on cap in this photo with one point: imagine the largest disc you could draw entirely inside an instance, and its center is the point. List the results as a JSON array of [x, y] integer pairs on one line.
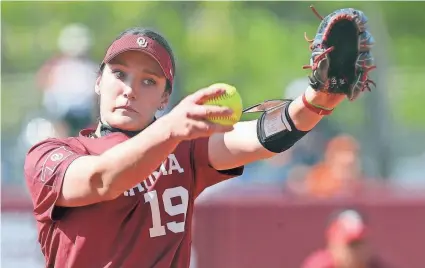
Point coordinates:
[[142, 42]]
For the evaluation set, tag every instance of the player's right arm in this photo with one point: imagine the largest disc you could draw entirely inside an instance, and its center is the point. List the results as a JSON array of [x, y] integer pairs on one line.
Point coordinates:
[[57, 174]]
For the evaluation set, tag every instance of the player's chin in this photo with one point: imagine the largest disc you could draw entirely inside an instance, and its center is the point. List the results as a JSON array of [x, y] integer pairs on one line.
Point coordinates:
[[129, 122]]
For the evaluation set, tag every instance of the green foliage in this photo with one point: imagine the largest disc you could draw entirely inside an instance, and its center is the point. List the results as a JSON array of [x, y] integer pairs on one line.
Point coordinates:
[[257, 46]]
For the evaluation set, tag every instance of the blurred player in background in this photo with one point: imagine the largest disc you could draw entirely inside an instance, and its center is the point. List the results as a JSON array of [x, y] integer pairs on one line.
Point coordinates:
[[67, 80], [347, 244], [340, 172], [122, 195]]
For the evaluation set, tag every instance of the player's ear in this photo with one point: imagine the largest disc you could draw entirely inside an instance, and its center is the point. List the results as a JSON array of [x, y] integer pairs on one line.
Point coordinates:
[[97, 85], [164, 100]]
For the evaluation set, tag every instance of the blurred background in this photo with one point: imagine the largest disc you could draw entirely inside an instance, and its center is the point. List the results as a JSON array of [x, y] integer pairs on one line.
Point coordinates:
[[368, 156]]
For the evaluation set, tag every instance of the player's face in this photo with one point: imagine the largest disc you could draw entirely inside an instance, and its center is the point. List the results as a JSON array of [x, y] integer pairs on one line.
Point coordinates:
[[131, 89]]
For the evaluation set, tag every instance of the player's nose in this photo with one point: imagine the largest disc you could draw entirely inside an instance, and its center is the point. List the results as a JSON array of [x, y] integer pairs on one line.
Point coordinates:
[[128, 87]]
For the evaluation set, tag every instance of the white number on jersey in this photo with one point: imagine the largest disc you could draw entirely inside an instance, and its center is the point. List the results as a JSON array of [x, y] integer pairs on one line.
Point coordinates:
[[152, 198]]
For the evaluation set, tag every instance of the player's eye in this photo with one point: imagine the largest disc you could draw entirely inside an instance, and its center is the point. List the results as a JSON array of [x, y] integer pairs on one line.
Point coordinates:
[[149, 82], [119, 74]]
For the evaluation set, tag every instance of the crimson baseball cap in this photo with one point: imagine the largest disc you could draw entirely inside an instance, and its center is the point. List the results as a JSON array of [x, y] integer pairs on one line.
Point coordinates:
[[347, 227], [144, 44]]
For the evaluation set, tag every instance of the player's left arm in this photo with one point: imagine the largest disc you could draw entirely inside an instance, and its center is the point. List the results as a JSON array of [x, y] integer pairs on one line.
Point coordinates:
[[343, 32], [242, 145]]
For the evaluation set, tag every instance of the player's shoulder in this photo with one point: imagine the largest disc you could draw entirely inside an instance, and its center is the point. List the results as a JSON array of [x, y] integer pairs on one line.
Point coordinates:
[[85, 142], [52, 143], [48, 153], [51, 147]]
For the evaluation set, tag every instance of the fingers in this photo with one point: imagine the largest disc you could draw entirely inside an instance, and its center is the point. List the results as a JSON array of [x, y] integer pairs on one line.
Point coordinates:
[[202, 95], [200, 112], [192, 116]]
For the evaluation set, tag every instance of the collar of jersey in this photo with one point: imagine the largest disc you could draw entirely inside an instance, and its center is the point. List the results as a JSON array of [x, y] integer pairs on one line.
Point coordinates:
[[106, 130]]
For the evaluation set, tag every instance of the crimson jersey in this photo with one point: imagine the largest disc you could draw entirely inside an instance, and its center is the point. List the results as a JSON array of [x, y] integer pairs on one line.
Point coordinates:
[[148, 225]]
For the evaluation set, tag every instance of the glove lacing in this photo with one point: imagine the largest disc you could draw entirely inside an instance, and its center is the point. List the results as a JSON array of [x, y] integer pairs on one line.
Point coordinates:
[[364, 78]]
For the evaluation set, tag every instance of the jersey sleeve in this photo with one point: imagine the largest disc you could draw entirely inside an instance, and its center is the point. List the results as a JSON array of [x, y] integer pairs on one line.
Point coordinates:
[[205, 174], [45, 167]]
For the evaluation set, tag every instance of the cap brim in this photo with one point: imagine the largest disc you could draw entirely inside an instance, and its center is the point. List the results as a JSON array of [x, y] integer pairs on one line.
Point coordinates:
[[145, 45]]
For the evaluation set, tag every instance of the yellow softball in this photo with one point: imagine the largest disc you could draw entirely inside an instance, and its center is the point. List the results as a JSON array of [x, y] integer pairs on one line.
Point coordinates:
[[230, 99]]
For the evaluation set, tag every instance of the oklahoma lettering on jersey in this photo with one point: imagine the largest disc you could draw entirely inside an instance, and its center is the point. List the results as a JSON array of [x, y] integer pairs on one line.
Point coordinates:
[[149, 225], [172, 165]]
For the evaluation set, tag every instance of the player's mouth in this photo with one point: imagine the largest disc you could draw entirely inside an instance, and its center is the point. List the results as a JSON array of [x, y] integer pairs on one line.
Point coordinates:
[[125, 108]]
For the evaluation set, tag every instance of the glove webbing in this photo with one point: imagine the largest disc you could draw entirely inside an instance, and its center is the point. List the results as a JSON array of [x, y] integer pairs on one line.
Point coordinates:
[[364, 77]]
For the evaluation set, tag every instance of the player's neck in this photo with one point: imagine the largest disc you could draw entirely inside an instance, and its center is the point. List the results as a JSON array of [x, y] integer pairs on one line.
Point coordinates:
[[104, 129]]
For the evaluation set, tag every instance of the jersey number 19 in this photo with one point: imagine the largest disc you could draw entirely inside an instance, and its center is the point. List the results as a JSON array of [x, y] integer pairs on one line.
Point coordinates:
[[152, 198]]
